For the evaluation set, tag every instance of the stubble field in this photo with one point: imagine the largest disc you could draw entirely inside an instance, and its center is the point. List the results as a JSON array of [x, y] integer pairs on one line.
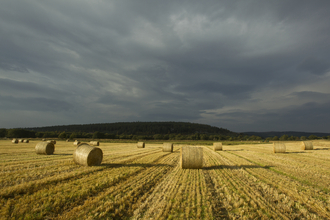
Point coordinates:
[[240, 182]]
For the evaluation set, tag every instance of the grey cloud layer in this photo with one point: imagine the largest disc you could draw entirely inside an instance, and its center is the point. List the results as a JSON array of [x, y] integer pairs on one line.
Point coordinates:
[[242, 65]]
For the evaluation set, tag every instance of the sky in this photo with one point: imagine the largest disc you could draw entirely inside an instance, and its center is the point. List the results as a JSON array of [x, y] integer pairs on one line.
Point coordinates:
[[241, 65]]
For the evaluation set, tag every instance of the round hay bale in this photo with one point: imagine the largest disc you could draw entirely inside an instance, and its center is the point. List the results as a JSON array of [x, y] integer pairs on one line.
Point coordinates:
[[306, 145], [279, 147], [14, 141], [45, 148], [76, 143], [87, 155], [51, 141], [167, 147], [44, 139], [26, 141], [20, 140], [191, 157], [67, 140], [141, 145], [217, 146], [94, 143]]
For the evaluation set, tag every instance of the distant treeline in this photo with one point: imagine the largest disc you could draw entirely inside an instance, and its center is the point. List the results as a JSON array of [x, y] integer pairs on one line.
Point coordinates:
[[23, 133], [140, 128]]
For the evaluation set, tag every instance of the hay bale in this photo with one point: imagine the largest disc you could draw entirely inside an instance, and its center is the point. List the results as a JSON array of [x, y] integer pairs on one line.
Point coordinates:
[[141, 145], [26, 141], [306, 145], [217, 146], [167, 147], [76, 142], [279, 147], [94, 143], [44, 139], [51, 141], [14, 141], [191, 157], [67, 140], [87, 155], [20, 140], [45, 148]]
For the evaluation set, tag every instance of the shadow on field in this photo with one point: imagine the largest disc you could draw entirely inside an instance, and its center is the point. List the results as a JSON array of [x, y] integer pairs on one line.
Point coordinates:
[[63, 154], [113, 165], [233, 167], [298, 152], [322, 149], [234, 150]]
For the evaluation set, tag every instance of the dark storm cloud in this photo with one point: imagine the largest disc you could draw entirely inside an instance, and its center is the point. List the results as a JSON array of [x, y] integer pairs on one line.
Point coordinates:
[[33, 104], [315, 66], [215, 62], [293, 118]]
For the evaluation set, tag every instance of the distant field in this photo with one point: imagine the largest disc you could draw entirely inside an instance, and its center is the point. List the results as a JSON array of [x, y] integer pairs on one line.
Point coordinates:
[[242, 182]]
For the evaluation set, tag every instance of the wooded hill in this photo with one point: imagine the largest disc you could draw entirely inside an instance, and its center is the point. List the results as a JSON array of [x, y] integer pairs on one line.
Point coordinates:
[[139, 128]]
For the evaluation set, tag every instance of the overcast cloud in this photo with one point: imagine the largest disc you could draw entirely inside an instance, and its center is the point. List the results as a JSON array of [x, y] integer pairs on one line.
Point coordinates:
[[242, 65]]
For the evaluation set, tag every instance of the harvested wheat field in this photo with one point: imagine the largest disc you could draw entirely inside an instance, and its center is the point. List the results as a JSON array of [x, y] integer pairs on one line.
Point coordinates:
[[240, 182]]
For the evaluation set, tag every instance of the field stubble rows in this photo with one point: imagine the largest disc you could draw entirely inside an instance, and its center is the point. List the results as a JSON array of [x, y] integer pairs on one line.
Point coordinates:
[[240, 182]]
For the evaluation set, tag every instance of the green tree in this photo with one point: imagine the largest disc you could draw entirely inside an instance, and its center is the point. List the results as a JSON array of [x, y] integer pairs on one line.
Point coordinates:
[[275, 138], [284, 137], [62, 135], [73, 135], [158, 137], [303, 138], [3, 132], [312, 137], [98, 135]]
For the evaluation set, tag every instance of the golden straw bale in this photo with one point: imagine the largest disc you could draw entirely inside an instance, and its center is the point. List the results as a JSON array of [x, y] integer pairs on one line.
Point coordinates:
[[76, 142], [52, 141], [140, 144], [167, 147], [45, 148], [306, 145], [217, 146], [67, 140], [87, 155], [94, 143], [26, 141], [14, 141], [43, 139], [279, 147], [191, 157], [20, 140]]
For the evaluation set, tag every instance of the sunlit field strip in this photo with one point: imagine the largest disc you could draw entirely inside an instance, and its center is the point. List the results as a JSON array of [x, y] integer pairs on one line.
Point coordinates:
[[239, 193], [300, 196], [302, 165], [73, 191]]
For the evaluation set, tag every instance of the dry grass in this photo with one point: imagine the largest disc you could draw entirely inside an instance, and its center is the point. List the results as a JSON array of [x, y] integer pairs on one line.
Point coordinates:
[[242, 182]]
